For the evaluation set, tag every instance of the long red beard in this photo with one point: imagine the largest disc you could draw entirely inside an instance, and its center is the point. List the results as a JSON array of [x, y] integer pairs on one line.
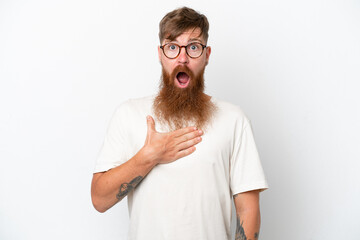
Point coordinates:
[[178, 107]]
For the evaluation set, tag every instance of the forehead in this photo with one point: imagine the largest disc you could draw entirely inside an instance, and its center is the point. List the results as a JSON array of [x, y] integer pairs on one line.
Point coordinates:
[[187, 36]]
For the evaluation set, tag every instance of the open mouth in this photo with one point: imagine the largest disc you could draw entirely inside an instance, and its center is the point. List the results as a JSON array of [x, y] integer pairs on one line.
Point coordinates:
[[182, 79]]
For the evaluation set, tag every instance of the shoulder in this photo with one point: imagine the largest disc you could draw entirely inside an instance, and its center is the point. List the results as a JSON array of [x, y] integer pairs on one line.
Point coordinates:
[[133, 104], [142, 100], [230, 111]]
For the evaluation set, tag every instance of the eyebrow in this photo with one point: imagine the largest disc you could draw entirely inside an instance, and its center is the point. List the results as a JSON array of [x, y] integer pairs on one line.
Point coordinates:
[[190, 40], [194, 39]]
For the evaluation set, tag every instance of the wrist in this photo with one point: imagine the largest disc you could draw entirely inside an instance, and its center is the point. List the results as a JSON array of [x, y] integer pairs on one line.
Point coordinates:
[[145, 157]]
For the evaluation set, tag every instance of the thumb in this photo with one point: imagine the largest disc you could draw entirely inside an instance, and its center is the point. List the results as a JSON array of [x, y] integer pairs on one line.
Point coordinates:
[[150, 124]]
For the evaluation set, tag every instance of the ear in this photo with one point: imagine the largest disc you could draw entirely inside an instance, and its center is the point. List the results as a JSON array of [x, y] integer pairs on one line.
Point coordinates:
[[159, 53], [208, 52]]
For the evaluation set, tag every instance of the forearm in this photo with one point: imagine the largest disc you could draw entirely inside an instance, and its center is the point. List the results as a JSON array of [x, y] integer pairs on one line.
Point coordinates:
[[109, 187], [247, 224], [112, 186]]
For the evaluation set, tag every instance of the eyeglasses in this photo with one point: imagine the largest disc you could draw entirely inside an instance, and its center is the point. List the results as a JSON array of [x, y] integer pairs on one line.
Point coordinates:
[[193, 50]]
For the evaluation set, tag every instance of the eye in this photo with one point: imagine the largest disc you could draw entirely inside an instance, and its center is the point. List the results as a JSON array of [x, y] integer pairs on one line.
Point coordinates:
[[172, 47], [194, 47]]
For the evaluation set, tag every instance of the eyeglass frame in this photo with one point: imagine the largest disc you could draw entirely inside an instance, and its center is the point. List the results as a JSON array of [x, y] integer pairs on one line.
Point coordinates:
[[183, 46]]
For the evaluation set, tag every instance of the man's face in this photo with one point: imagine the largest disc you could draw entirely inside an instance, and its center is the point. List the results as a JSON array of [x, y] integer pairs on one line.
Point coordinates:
[[195, 65], [181, 98]]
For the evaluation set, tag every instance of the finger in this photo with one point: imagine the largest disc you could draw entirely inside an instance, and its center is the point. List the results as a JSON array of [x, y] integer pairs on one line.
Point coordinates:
[[150, 124], [189, 136], [183, 131], [185, 152], [188, 144]]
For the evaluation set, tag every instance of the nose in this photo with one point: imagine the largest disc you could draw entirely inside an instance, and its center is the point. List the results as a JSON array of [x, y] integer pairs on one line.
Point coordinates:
[[183, 57]]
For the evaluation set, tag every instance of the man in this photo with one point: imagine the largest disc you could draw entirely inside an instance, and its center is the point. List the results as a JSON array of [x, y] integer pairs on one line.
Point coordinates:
[[181, 168]]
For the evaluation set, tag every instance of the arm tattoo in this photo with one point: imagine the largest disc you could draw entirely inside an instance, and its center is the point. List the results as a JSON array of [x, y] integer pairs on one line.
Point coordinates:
[[240, 232], [125, 188]]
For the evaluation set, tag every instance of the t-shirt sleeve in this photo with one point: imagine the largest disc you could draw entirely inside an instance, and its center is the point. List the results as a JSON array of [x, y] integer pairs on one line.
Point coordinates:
[[246, 172], [112, 152]]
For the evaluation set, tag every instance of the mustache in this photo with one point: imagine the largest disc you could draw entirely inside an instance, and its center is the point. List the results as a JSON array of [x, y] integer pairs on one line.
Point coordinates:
[[178, 69], [182, 68]]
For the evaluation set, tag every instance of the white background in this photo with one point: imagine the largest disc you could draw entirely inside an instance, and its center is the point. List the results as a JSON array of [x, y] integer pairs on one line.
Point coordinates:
[[292, 66]]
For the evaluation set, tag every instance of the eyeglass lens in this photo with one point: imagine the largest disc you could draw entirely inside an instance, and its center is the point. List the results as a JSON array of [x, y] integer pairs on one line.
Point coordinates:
[[193, 50]]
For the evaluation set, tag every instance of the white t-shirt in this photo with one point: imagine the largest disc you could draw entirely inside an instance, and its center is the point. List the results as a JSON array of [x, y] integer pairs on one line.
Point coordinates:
[[190, 198]]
